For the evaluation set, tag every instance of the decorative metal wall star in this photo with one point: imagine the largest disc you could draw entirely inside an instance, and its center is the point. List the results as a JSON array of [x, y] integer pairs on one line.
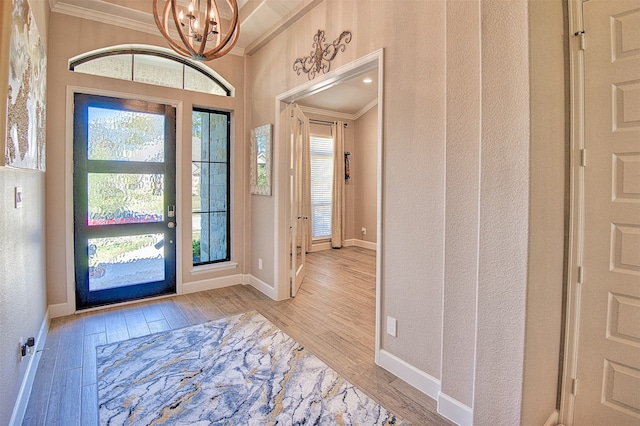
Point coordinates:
[[320, 58]]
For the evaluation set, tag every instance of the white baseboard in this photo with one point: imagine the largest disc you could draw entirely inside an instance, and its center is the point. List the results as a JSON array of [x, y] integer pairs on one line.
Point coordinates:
[[261, 286], [212, 283], [347, 243], [367, 245], [59, 310], [20, 407], [410, 374], [454, 410]]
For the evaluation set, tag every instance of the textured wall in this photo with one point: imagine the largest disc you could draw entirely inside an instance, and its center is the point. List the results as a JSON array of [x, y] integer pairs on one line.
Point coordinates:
[[22, 249], [546, 241], [65, 44], [463, 196], [364, 172], [504, 212]]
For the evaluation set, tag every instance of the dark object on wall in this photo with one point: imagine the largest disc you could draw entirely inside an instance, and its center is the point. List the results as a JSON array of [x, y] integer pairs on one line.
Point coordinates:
[[320, 58], [347, 171]]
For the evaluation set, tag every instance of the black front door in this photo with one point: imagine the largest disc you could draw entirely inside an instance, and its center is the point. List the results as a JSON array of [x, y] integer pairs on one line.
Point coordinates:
[[124, 200]]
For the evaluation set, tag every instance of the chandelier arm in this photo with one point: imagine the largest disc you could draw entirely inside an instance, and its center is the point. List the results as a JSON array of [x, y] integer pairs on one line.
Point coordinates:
[[205, 30], [234, 29], [223, 50], [162, 26], [185, 40]]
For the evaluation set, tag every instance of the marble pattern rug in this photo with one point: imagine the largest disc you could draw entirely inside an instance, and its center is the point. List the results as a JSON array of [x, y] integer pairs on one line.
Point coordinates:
[[239, 370]]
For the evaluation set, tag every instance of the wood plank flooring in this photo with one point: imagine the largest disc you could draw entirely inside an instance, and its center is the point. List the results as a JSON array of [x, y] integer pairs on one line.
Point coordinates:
[[333, 316]]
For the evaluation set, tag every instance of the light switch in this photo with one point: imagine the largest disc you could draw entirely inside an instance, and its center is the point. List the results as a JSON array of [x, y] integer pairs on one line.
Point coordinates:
[[18, 197]]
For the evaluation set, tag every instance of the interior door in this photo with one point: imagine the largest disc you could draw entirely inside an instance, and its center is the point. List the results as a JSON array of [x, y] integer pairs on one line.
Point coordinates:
[[297, 187], [608, 358], [124, 200]]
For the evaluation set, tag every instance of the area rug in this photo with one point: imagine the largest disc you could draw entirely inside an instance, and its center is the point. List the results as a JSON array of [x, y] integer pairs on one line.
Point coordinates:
[[239, 370]]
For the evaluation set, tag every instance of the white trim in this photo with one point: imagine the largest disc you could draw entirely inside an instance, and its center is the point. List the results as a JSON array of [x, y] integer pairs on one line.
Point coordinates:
[[454, 410], [211, 267], [352, 242], [20, 407], [59, 310], [326, 245], [576, 214], [212, 283], [365, 108], [417, 378], [68, 183], [361, 243], [553, 419], [320, 111], [261, 286]]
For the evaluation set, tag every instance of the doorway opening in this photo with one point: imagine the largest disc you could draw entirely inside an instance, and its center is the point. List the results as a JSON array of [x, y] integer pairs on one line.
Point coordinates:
[[282, 155]]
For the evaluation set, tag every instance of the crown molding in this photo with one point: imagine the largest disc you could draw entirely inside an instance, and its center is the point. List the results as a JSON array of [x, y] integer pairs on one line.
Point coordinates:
[[334, 114], [123, 18], [366, 108]]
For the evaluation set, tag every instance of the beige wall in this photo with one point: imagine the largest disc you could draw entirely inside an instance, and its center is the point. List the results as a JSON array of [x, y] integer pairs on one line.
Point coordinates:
[[364, 175], [549, 95], [466, 125], [72, 36], [22, 250]]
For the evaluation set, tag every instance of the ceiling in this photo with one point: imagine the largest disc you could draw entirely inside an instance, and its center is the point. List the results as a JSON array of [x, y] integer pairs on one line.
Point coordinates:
[[260, 21]]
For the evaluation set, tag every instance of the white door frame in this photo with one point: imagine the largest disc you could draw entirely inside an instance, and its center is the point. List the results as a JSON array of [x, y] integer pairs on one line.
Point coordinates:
[[280, 171], [576, 213]]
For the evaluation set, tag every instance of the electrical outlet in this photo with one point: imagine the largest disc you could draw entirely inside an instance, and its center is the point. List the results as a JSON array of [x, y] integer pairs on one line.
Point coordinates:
[[392, 326], [364, 231], [260, 264], [21, 347]]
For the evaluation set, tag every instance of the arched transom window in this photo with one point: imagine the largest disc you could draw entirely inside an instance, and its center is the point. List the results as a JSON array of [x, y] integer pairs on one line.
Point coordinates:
[[151, 65]]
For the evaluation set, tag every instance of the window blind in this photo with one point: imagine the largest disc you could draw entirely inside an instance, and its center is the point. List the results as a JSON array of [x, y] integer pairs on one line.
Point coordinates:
[[321, 155]]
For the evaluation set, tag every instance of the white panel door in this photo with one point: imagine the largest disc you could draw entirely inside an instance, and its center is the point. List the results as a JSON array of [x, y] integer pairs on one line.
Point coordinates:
[[297, 184], [608, 361]]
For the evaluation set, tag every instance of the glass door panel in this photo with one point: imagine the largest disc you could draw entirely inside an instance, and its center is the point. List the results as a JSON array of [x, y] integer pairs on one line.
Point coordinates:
[[124, 200], [127, 260]]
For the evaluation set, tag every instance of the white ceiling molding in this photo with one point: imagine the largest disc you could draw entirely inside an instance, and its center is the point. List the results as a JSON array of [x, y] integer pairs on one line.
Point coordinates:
[[334, 114], [366, 108]]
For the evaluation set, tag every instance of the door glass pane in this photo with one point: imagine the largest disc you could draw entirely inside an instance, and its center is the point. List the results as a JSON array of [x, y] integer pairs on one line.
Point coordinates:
[[124, 198], [116, 135], [126, 260]]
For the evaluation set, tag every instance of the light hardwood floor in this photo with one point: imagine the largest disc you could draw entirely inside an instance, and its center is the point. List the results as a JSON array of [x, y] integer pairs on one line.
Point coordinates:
[[333, 316]]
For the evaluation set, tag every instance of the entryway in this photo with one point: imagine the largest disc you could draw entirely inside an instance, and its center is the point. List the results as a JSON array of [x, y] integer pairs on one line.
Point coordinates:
[[124, 200]]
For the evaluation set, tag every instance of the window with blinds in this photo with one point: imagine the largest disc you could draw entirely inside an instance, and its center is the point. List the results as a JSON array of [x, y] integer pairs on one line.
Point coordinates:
[[321, 149]]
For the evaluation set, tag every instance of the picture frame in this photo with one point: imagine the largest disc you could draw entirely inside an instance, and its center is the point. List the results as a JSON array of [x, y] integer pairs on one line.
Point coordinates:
[[260, 158]]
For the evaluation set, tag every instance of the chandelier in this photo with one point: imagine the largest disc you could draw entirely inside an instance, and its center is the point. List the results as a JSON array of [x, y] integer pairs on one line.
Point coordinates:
[[197, 27]]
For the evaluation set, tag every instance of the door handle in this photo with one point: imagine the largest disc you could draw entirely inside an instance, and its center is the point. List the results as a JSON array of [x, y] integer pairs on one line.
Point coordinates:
[[171, 225]]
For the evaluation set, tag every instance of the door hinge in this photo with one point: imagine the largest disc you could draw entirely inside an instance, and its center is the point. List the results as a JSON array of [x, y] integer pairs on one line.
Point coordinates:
[[582, 39], [574, 387], [580, 274], [583, 157]]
